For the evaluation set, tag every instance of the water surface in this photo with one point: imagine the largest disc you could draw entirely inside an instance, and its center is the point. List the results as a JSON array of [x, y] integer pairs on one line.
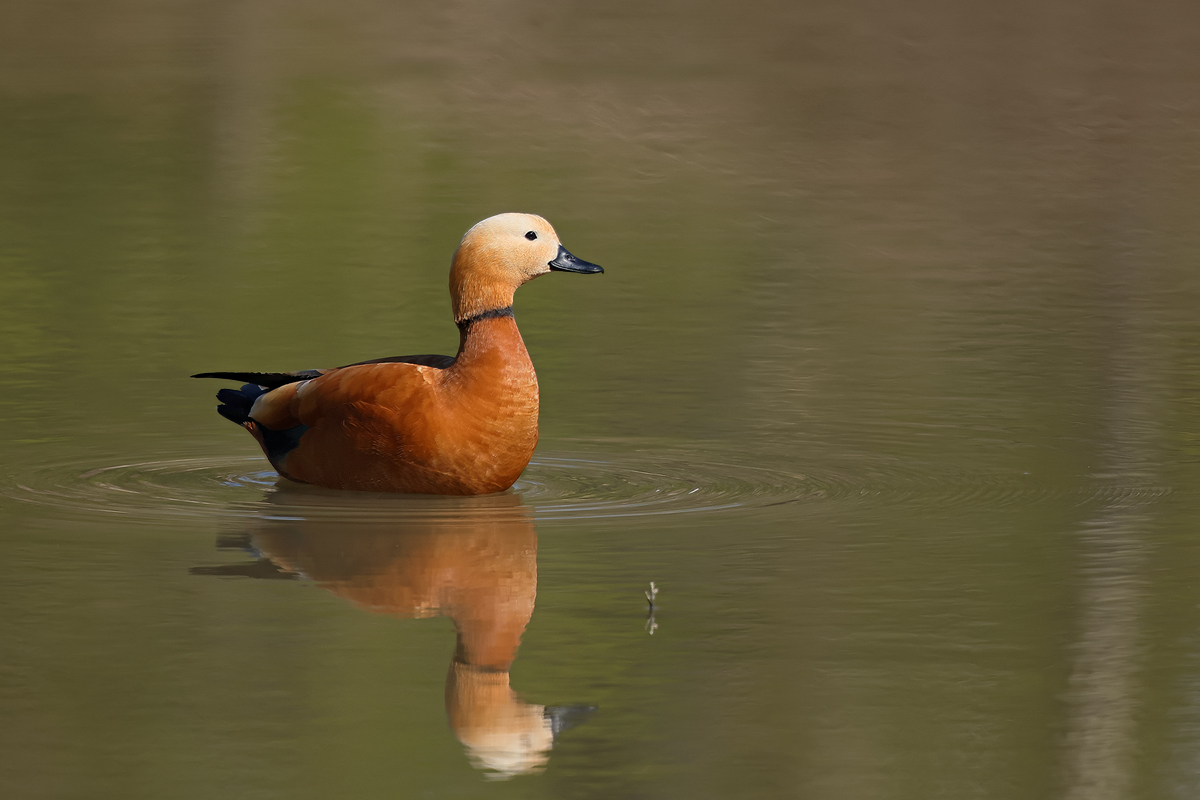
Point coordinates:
[[890, 387]]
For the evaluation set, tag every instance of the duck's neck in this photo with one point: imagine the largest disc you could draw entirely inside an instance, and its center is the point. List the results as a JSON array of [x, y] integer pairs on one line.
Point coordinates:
[[473, 294], [489, 341]]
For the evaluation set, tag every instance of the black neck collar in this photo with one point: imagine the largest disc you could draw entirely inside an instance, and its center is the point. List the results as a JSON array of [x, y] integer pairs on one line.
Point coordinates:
[[491, 313]]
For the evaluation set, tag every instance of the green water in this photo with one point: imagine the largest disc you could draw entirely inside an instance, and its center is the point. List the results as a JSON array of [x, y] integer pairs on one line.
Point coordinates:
[[891, 386]]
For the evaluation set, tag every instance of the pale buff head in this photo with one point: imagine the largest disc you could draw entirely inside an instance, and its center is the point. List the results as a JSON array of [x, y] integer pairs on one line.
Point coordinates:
[[498, 255]]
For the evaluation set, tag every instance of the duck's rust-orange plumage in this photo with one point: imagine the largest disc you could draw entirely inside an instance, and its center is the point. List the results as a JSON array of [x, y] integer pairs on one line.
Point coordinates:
[[420, 424]]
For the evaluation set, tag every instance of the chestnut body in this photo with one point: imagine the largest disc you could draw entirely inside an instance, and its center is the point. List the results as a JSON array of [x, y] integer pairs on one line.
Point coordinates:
[[470, 428]]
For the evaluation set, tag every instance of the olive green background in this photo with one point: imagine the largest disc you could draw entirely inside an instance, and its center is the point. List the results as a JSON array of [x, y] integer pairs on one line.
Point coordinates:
[[934, 265]]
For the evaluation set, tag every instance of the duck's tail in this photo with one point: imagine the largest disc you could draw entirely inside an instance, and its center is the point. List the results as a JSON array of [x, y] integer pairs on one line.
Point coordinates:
[[236, 403]]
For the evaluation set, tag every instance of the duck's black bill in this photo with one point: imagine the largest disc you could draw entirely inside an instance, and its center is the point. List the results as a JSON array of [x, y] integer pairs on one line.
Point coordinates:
[[565, 262]]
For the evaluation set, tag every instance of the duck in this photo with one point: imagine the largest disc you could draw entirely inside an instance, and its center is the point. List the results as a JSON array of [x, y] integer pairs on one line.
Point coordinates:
[[422, 424]]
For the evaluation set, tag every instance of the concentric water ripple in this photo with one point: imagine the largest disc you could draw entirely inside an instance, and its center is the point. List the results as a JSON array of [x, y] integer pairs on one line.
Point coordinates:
[[554, 488]]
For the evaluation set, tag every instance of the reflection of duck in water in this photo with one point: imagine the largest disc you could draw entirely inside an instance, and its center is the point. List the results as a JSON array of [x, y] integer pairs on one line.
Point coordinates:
[[472, 560]]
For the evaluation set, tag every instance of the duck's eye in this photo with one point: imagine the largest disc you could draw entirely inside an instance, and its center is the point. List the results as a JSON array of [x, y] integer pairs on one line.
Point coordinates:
[[531, 236]]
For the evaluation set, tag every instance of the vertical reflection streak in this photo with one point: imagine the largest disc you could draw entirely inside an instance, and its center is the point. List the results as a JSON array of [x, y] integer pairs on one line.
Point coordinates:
[[1103, 692]]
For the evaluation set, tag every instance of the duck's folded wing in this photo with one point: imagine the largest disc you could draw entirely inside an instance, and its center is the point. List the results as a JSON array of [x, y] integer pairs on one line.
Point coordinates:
[[272, 399], [342, 393], [276, 409]]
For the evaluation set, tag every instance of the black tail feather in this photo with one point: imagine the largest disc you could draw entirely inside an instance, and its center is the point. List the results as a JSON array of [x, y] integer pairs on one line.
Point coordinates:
[[236, 403], [238, 399]]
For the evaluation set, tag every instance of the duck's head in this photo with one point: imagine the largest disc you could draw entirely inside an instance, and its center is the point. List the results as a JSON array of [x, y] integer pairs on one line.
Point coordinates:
[[501, 253]]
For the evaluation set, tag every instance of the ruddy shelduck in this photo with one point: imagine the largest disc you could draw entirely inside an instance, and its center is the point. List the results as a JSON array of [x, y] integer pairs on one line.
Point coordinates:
[[423, 424]]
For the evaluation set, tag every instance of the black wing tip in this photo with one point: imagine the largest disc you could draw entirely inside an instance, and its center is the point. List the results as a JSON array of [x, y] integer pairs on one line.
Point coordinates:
[[271, 380], [225, 376]]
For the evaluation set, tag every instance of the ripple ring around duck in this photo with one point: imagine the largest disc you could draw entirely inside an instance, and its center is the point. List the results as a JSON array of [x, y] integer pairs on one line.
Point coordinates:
[[652, 482], [553, 488]]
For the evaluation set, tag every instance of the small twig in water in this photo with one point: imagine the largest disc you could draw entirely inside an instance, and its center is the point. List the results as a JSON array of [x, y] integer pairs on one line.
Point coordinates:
[[651, 625]]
